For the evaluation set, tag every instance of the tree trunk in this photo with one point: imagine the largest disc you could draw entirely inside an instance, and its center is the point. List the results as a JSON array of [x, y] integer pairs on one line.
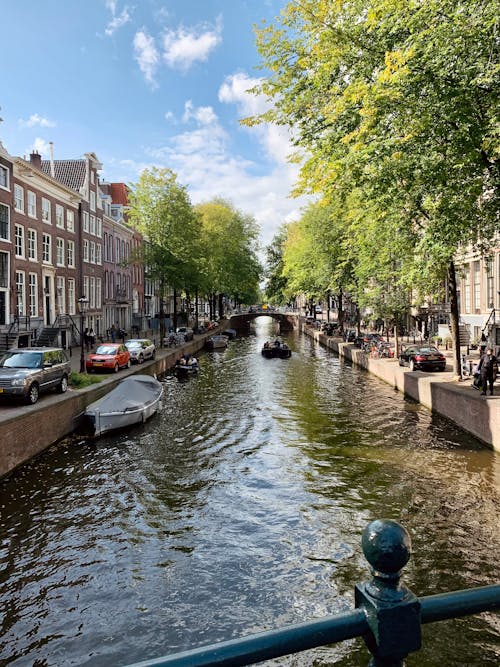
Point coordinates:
[[454, 317], [340, 316], [175, 311], [396, 337], [221, 306], [162, 313]]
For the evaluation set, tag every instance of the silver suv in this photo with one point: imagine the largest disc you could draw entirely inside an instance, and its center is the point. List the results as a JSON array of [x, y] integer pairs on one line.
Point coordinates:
[[28, 371]]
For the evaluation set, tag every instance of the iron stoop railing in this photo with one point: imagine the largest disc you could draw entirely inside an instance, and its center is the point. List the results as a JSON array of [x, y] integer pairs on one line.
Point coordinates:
[[387, 615]]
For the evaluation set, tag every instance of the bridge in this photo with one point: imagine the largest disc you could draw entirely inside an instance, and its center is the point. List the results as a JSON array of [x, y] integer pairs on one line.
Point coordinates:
[[241, 321]]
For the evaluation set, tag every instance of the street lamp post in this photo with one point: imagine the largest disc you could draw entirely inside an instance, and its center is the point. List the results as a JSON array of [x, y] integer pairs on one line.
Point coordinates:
[[83, 303]]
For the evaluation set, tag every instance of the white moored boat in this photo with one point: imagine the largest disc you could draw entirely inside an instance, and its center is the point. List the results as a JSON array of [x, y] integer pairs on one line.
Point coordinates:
[[218, 342], [132, 401]]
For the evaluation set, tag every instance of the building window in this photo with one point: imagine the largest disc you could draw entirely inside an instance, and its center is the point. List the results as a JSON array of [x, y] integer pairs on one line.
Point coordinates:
[[71, 296], [477, 286], [92, 200], [467, 295], [19, 240], [59, 216], [85, 221], [86, 286], [33, 294], [92, 293], [71, 254], [19, 198], [70, 221], [4, 222], [98, 253], [92, 252], [61, 295], [31, 204], [490, 293], [20, 294], [46, 249], [60, 252], [32, 242], [92, 224], [4, 178], [85, 250], [4, 269], [46, 210], [98, 288], [98, 230]]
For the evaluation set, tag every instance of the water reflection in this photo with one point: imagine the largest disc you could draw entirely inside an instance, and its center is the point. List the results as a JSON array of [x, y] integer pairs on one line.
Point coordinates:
[[240, 508]]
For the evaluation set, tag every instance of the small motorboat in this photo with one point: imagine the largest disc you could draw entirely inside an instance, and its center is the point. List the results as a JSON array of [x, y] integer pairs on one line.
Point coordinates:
[[134, 400], [230, 333], [218, 342], [186, 369], [276, 349]]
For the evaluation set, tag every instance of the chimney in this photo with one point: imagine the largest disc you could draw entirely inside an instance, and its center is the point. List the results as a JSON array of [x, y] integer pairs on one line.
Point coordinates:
[[36, 159], [52, 169]]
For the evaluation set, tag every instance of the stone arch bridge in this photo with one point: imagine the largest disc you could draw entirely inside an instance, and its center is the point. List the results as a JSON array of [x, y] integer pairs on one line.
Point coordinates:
[[241, 321]]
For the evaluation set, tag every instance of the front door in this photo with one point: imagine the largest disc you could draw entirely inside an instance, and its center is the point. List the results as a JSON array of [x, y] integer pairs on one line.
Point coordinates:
[[47, 297]]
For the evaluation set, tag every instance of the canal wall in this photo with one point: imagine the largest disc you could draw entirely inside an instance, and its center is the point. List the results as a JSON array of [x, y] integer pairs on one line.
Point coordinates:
[[30, 429], [458, 401]]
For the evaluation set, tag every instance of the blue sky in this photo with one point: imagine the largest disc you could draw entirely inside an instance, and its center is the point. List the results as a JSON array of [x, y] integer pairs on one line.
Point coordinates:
[[148, 82]]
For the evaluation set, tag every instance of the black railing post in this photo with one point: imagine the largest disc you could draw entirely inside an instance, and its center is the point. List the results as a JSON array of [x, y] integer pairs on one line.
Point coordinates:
[[392, 610]]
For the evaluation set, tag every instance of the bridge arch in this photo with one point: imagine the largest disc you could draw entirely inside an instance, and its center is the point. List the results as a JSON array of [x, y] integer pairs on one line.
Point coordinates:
[[241, 321]]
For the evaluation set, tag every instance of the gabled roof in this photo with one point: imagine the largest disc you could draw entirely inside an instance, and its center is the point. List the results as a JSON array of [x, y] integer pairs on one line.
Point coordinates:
[[119, 193], [70, 172]]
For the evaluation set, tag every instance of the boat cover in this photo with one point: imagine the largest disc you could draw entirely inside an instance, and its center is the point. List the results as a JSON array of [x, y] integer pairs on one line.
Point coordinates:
[[131, 393]]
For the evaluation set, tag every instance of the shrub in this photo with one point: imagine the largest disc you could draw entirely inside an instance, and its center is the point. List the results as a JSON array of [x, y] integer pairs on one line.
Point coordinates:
[[81, 380]]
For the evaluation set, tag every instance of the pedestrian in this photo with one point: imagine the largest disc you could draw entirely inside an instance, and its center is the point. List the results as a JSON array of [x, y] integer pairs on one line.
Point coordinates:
[[91, 337], [122, 334], [86, 339], [488, 368], [112, 333]]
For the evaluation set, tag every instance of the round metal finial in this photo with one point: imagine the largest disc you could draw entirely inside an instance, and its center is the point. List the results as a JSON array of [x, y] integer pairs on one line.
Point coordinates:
[[387, 546]]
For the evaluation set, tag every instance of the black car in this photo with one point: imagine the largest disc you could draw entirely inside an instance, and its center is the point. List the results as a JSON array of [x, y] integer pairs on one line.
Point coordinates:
[[423, 358]]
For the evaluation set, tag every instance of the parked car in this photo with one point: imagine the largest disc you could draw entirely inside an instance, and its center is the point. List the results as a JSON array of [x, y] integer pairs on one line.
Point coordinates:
[[140, 349], [108, 357], [422, 357], [186, 332], [27, 372]]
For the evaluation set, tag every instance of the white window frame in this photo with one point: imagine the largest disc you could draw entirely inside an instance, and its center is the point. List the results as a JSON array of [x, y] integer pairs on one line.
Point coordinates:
[[5, 178], [70, 220], [18, 198], [92, 252], [20, 293], [46, 211], [92, 200], [99, 227], [46, 246], [86, 286], [7, 236], [59, 216], [19, 244], [31, 204], [85, 250], [98, 253], [71, 297], [92, 225], [92, 293], [61, 294], [32, 245], [86, 221], [98, 293], [60, 251], [33, 294], [70, 253]]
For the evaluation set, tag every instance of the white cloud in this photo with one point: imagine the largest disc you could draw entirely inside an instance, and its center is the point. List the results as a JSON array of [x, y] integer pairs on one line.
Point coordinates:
[[41, 146], [116, 21], [275, 140], [169, 116], [146, 55], [34, 120], [202, 115], [183, 47]]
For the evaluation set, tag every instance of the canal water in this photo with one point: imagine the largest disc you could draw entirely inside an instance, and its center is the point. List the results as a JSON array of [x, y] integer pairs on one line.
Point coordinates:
[[239, 509]]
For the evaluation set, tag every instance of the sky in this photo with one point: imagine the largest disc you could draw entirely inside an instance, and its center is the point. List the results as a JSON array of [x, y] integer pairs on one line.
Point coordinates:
[[145, 83]]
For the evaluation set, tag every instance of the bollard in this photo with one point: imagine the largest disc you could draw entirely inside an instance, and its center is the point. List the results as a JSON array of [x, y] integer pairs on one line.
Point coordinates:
[[392, 610]]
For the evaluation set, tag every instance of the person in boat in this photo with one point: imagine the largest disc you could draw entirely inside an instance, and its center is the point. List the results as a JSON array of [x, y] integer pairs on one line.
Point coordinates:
[[193, 361], [184, 360], [277, 343], [266, 345]]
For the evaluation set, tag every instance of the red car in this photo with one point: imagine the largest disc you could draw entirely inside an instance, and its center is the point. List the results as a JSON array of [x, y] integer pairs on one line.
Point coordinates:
[[108, 357]]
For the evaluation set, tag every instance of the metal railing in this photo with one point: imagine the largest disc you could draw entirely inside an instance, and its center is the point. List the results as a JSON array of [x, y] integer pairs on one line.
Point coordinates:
[[387, 615]]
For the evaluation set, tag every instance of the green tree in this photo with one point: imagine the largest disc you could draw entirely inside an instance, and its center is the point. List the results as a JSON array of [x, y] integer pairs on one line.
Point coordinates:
[[397, 101], [161, 210]]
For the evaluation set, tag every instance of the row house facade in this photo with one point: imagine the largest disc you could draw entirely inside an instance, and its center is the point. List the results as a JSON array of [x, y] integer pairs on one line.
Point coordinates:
[[62, 237], [479, 295]]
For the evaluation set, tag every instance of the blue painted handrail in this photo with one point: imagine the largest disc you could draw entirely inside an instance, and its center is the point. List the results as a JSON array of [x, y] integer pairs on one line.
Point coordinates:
[[387, 615]]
